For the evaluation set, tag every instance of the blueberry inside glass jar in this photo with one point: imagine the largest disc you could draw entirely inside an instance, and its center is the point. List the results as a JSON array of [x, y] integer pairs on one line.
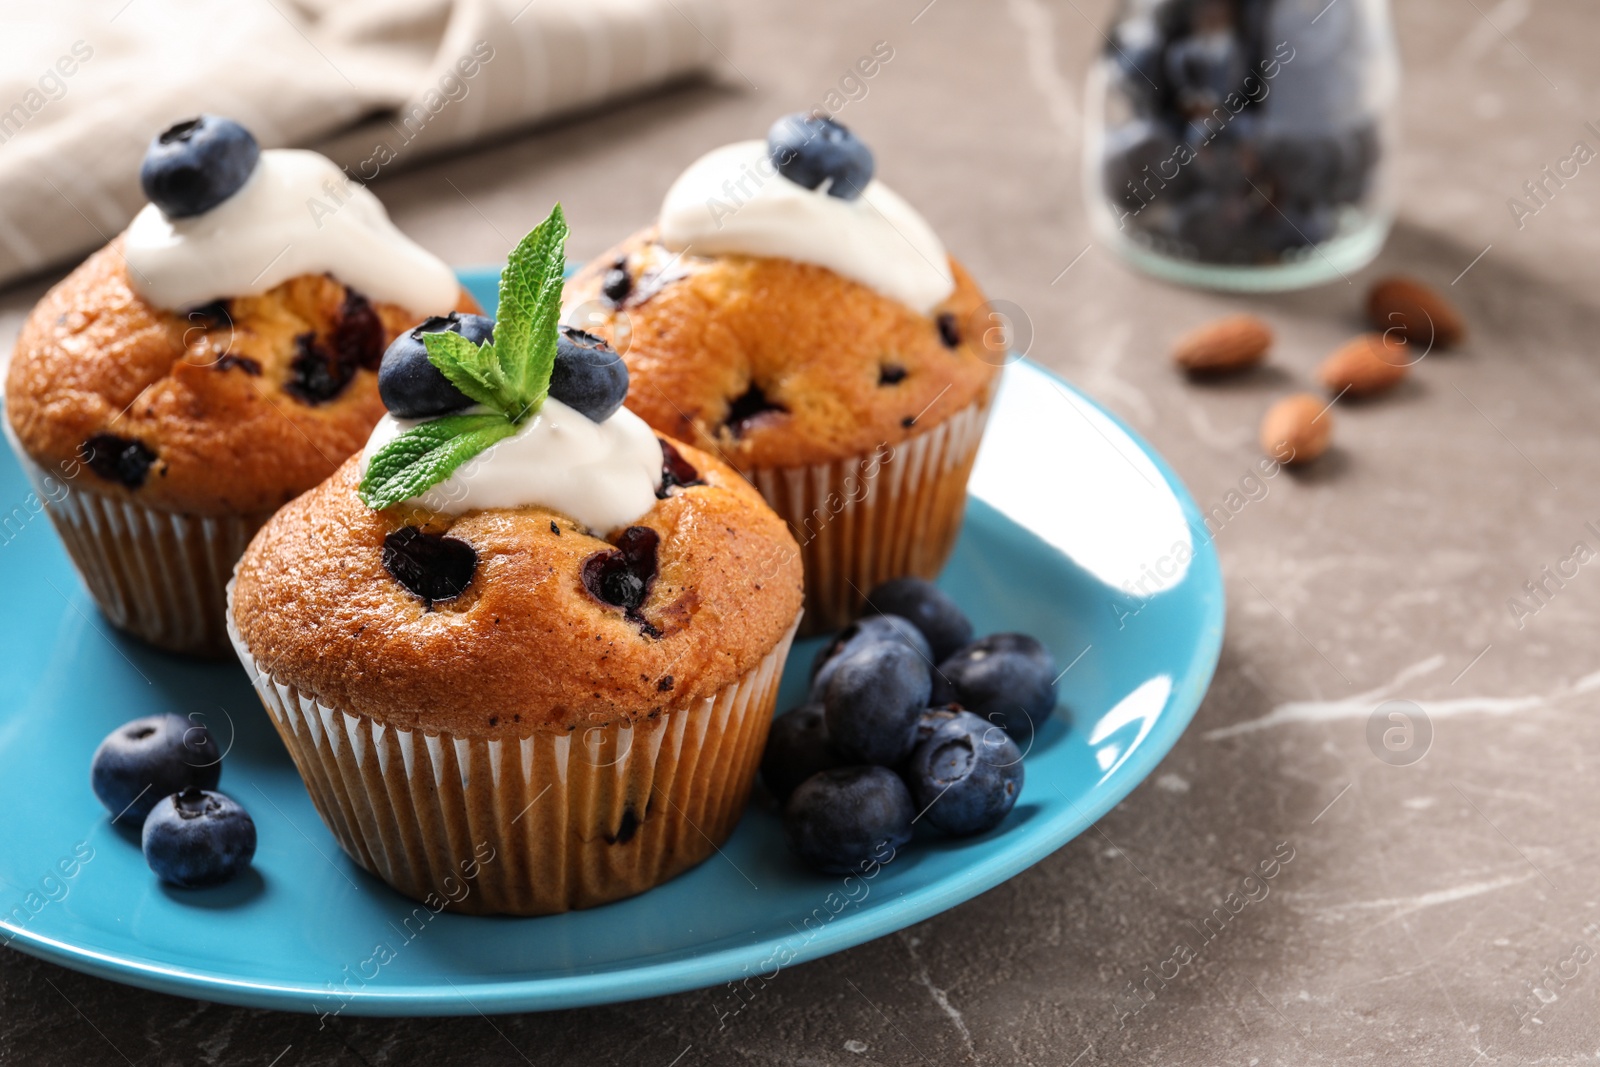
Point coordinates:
[[1244, 144]]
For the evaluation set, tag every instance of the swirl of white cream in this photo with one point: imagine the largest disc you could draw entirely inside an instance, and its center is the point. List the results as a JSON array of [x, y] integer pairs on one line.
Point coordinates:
[[733, 200], [296, 214], [603, 474]]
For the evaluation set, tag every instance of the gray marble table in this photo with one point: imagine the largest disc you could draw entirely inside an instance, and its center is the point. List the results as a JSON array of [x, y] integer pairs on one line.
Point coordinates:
[[1438, 913]]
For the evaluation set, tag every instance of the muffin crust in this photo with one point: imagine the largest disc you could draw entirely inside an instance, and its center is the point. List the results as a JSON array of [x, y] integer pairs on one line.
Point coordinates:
[[233, 409], [526, 647], [772, 363]]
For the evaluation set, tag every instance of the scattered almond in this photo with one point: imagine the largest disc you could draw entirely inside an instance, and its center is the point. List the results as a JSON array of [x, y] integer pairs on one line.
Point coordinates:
[[1223, 346], [1365, 365], [1297, 429], [1415, 311]]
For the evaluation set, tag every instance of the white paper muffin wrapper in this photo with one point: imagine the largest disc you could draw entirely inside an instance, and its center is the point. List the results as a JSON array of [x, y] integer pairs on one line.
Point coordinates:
[[159, 575], [534, 825], [864, 520]]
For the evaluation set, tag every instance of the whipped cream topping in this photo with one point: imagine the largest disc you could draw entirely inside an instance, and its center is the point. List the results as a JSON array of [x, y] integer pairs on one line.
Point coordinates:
[[603, 474], [733, 200], [296, 214]]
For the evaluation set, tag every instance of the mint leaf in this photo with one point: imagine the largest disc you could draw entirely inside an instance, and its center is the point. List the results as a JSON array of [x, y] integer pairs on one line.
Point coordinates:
[[473, 369], [530, 310], [427, 454]]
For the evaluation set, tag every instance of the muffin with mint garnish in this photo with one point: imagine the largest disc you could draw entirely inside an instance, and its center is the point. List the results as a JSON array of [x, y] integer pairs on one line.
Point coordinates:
[[793, 315], [210, 364], [521, 644]]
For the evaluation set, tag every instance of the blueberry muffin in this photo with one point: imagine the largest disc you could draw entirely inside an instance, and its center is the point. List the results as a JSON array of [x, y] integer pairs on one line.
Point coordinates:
[[801, 321], [208, 366], [542, 670]]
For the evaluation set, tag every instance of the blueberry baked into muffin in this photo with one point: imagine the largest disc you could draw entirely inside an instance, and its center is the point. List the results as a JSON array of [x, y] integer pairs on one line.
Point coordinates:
[[209, 365], [521, 641], [799, 319]]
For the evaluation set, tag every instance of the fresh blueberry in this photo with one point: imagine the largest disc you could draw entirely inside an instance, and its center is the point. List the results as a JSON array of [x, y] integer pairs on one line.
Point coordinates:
[[928, 607], [796, 749], [1208, 226], [197, 164], [868, 631], [1312, 225], [1134, 51], [1359, 150], [1142, 165], [1225, 165], [1204, 69], [1004, 679], [1279, 229], [198, 838], [1238, 136], [812, 149], [479, 329], [588, 376], [874, 699], [410, 385], [1300, 169], [932, 719], [142, 761], [966, 777], [842, 820]]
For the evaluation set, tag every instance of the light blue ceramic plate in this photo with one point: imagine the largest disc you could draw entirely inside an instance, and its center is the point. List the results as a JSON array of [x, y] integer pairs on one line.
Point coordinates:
[[1069, 511]]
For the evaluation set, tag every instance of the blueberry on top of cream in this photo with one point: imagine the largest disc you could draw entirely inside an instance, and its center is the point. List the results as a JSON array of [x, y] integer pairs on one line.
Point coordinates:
[[811, 149], [226, 219], [588, 375], [193, 166], [807, 193], [413, 388]]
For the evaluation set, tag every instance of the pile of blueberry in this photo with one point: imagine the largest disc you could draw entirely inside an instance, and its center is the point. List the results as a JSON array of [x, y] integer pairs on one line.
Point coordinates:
[[588, 376], [1212, 155], [162, 771], [908, 720]]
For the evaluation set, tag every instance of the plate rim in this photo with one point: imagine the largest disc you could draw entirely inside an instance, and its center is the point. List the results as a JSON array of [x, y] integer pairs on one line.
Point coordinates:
[[705, 970]]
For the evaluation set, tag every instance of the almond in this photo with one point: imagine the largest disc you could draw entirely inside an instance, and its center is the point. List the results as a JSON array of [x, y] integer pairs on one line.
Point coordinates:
[[1297, 429], [1223, 346], [1365, 365], [1415, 311]]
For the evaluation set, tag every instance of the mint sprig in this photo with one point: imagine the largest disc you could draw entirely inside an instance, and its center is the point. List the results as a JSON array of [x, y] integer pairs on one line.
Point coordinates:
[[510, 375]]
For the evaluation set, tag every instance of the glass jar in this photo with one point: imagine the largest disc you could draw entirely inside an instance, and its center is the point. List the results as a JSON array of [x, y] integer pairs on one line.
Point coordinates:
[[1244, 144]]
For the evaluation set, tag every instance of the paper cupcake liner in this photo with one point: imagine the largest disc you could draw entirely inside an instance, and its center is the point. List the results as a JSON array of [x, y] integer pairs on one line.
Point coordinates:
[[894, 512], [535, 825], [159, 575]]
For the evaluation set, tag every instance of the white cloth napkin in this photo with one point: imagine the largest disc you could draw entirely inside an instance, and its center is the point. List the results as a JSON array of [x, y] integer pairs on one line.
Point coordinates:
[[375, 84]]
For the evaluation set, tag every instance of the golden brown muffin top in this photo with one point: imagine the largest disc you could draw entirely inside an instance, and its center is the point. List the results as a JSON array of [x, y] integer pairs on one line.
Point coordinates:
[[775, 363], [236, 408], [526, 645]]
